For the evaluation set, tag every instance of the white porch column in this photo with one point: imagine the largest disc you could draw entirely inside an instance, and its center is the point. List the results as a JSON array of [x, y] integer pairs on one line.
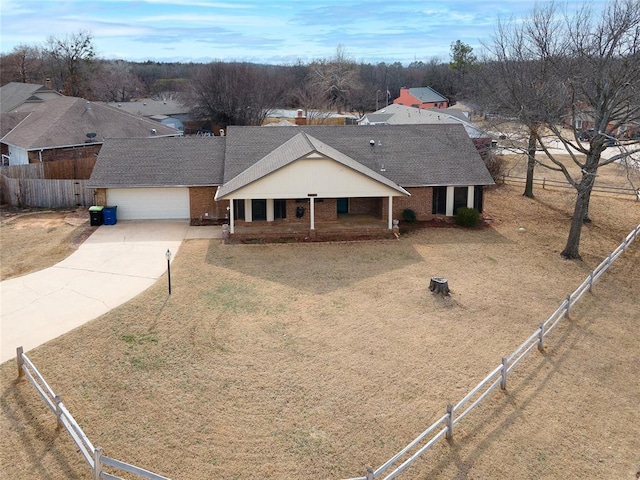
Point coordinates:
[[248, 213], [270, 210], [470, 196], [312, 208], [449, 210], [231, 215], [390, 215]]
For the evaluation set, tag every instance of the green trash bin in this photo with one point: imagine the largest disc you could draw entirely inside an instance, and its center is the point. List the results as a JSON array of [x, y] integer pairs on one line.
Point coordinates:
[[96, 216]]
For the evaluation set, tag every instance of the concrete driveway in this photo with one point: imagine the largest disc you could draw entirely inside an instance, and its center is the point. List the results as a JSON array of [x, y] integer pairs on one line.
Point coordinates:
[[116, 263]]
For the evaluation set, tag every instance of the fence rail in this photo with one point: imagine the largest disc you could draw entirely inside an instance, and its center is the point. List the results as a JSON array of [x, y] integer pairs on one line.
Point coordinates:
[[94, 456], [563, 184], [444, 426]]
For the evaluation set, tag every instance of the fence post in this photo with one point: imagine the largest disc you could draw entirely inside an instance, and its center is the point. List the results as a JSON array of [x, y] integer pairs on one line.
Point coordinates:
[[97, 463], [544, 181], [503, 379], [20, 360], [590, 280], [449, 434], [541, 338], [369, 474], [58, 400], [567, 312]]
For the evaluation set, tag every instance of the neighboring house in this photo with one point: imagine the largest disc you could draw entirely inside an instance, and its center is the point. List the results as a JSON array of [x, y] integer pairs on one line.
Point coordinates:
[[396, 114], [17, 96], [171, 113], [422, 97], [301, 176], [68, 127]]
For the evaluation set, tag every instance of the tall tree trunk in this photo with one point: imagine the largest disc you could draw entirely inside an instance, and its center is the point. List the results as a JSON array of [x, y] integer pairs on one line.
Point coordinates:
[[572, 248], [531, 163]]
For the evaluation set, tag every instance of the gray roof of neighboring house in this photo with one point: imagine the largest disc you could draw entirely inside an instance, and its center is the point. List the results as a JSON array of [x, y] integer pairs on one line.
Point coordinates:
[[147, 107], [9, 120], [427, 94], [14, 94], [156, 162], [396, 114], [297, 147], [67, 120], [411, 155]]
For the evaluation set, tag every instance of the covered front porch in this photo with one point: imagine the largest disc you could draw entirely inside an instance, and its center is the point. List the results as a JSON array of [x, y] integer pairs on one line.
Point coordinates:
[[345, 227]]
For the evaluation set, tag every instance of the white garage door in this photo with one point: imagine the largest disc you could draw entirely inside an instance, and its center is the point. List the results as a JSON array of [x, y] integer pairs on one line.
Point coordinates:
[[149, 203]]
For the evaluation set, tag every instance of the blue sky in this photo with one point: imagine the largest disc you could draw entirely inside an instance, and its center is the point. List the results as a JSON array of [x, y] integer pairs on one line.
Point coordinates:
[[268, 31]]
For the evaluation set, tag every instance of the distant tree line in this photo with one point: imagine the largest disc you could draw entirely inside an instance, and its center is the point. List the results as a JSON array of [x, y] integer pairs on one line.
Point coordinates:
[[338, 83]]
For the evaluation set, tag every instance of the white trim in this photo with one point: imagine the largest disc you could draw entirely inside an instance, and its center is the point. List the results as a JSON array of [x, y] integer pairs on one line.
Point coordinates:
[[270, 210], [390, 213], [232, 225], [450, 200], [248, 210], [470, 196], [312, 208]]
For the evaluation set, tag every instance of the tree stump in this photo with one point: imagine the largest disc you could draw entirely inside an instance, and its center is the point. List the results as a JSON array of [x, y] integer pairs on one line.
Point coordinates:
[[439, 285]]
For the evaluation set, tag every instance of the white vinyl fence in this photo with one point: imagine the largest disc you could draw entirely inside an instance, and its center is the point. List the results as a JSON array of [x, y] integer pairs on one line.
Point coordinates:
[[94, 456], [444, 426]]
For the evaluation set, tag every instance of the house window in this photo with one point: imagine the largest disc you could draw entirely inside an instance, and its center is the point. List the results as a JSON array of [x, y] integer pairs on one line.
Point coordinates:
[[439, 203], [259, 209], [579, 124], [459, 198], [279, 208], [238, 209], [478, 197]]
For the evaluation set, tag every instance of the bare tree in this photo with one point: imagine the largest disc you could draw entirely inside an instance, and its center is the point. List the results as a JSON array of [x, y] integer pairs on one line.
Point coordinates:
[[517, 80], [23, 64], [234, 93], [591, 67], [335, 77], [70, 59], [116, 82]]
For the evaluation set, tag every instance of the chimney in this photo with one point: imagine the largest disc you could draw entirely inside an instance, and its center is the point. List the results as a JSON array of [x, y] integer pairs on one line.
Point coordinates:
[[47, 83], [300, 118]]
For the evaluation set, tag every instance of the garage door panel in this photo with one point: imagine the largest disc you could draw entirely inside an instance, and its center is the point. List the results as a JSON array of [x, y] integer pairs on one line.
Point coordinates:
[[149, 203]]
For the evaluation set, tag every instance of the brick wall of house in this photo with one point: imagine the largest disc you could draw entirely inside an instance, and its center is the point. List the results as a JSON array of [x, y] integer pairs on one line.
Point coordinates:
[[366, 206], [203, 207], [420, 201], [101, 196]]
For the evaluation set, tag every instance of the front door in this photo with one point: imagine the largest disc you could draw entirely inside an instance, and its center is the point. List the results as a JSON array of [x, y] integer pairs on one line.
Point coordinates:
[[259, 209], [343, 205]]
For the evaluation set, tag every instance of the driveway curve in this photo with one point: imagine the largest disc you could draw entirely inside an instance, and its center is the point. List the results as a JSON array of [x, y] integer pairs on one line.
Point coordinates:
[[116, 263]]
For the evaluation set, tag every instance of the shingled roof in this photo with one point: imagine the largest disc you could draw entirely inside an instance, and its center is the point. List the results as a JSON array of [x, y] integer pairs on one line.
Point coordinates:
[[159, 162], [427, 95], [299, 146], [66, 121], [15, 94], [410, 155]]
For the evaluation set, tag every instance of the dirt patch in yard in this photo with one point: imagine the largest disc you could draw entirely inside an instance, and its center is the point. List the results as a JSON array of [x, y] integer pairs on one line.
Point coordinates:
[[318, 360], [36, 239]]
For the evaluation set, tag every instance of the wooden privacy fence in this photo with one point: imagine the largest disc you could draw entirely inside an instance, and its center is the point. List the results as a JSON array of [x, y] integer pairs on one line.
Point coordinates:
[[94, 456], [444, 426], [560, 184], [46, 193]]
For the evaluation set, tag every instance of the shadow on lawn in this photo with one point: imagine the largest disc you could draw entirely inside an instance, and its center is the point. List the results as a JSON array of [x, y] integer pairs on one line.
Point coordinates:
[[324, 267], [315, 267]]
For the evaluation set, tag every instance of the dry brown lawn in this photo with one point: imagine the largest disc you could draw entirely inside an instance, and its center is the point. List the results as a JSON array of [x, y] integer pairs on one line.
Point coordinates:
[[35, 240], [318, 360]]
